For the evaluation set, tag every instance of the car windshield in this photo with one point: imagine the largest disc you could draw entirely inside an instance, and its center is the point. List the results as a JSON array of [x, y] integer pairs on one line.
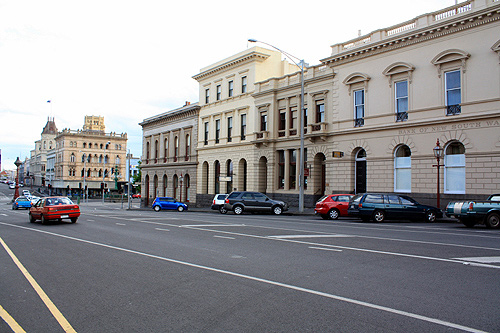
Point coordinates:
[[495, 197]]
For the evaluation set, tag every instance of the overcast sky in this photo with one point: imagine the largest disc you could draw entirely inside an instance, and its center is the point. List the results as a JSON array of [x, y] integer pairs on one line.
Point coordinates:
[[130, 60]]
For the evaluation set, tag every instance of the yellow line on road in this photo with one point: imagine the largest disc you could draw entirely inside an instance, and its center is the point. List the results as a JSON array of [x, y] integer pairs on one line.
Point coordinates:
[[52, 308], [10, 321]]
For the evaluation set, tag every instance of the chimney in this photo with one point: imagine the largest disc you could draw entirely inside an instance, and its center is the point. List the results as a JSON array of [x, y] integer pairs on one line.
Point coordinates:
[[187, 103]]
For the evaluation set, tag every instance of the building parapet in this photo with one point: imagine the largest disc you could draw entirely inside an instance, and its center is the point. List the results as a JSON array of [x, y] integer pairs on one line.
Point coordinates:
[[419, 22], [68, 131]]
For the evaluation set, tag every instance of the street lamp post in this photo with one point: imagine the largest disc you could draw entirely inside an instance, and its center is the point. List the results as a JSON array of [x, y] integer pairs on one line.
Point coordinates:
[[181, 179], [84, 177], [301, 125], [104, 169], [17, 164], [128, 179], [438, 154]]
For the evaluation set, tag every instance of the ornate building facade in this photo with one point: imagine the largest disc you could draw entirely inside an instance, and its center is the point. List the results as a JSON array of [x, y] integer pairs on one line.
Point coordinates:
[[169, 159], [374, 110]]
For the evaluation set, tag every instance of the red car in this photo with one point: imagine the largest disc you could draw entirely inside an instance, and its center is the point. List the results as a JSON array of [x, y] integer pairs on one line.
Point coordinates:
[[332, 206], [136, 195], [54, 208]]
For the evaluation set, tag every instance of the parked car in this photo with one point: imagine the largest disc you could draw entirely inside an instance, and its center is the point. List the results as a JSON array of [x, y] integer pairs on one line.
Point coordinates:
[[242, 201], [218, 203], [379, 207], [34, 199], [332, 206], [21, 202], [472, 212], [136, 195], [168, 203], [12, 186], [54, 208], [26, 193]]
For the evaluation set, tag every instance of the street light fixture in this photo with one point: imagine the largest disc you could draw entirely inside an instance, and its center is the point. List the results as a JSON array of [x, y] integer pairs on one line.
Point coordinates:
[[301, 126], [17, 164], [438, 154], [85, 194]]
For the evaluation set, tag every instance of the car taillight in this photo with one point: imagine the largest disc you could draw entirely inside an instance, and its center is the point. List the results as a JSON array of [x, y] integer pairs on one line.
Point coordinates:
[[471, 206], [213, 202], [51, 209], [226, 201]]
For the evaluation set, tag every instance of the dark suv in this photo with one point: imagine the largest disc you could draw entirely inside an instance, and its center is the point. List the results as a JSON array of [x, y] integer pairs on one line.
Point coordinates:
[[378, 206], [242, 201]]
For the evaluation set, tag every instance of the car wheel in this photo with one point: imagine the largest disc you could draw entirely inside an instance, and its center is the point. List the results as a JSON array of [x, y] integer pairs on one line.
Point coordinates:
[[180, 208], [238, 210], [32, 219], [430, 216], [157, 208], [222, 210], [333, 214], [74, 219], [468, 223], [44, 221], [493, 220], [379, 216], [277, 210]]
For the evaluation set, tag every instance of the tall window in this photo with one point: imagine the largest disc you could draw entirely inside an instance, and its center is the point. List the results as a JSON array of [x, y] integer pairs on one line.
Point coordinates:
[[243, 84], [205, 141], [83, 158], [207, 96], [401, 91], [243, 126], [402, 169], [281, 169], [453, 88], [217, 177], [176, 148], [218, 92], [72, 158], [156, 151], [217, 130], [263, 121], [320, 112], [293, 167], [454, 168], [293, 118], [305, 120], [359, 108], [229, 129], [188, 146], [282, 123], [229, 184], [230, 88]]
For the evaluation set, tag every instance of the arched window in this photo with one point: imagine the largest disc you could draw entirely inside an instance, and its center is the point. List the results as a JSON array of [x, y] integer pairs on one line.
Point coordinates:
[[454, 168], [90, 145], [84, 145], [229, 173], [83, 158], [147, 153], [117, 160], [156, 151], [72, 158], [187, 184], [106, 159], [402, 169], [217, 176], [100, 158], [165, 146]]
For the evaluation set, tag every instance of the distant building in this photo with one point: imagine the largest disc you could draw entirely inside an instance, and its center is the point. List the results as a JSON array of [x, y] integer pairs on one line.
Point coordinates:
[[38, 156], [169, 159]]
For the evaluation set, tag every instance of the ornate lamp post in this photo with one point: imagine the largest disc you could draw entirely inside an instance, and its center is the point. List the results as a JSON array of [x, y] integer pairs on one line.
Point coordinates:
[[16, 192], [104, 170], [438, 154]]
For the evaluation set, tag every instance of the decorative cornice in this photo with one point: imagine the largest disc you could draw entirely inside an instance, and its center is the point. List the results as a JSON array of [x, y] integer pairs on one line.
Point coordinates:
[[190, 111], [412, 37], [253, 56]]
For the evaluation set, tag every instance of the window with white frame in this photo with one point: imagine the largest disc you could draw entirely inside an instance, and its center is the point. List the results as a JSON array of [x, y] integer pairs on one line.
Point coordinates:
[[229, 129], [453, 87], [401, 102], [218, 92], [205, 140], [359, 107], [207, 96], [230, 89], [454, 168], [402, 169], [243, 84], [217, 130], [243, 126]]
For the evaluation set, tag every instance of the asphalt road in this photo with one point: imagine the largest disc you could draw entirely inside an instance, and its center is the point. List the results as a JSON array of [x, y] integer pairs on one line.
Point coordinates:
[[117, 270]]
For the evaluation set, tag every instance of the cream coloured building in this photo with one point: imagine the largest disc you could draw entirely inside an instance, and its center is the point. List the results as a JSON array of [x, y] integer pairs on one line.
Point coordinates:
[[228, 119], [375, 108], [38, 156]]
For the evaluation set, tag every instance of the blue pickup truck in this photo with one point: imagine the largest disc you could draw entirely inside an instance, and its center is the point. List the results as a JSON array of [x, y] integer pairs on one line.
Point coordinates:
[[471, 213]]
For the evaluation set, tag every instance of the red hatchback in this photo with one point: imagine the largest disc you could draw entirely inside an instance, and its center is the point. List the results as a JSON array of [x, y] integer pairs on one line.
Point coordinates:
[[332, 206], [54, 208]]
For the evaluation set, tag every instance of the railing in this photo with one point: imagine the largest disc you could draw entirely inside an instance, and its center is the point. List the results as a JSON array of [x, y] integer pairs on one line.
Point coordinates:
[[359, 122], [453, 110], [401, 116], [453, 12]]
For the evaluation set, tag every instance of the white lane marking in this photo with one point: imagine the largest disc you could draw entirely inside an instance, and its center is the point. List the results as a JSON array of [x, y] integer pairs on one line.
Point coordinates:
[[4, 214], [485, 260], [322, 248], [160, 229], [225, 237], [262, 280], [120, 224], [210, 225], [309, 236]]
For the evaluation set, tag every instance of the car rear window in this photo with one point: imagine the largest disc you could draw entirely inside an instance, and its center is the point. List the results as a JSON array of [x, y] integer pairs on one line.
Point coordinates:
[[221, 197], [234, 195]]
